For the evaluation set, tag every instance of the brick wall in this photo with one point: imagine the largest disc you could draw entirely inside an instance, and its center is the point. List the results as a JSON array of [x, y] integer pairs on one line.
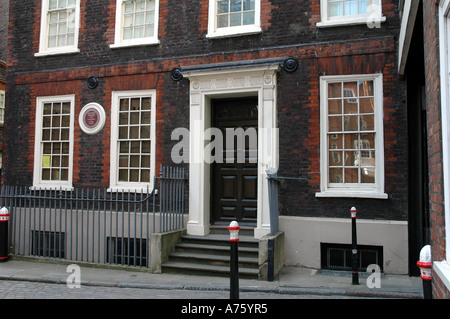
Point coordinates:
[[4, 14], [432, 83], [288, 30]]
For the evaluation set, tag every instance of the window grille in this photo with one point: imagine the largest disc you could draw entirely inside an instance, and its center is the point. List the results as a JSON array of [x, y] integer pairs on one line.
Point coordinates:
[[339, 256]]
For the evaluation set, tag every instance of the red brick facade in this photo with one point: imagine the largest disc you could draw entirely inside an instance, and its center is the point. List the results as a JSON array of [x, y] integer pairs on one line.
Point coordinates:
[[288, 30]]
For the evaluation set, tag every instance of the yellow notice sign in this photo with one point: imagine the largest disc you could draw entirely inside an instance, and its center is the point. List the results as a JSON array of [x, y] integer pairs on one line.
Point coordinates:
[[46, 161]]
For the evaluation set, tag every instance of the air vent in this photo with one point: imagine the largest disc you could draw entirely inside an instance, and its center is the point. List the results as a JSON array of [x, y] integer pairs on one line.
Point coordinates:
[[339, 256]]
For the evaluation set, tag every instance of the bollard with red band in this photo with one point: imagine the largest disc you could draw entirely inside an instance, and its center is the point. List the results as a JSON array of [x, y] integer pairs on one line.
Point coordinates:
[[4, 221], [234, 231], [234, 261], [424, 264]]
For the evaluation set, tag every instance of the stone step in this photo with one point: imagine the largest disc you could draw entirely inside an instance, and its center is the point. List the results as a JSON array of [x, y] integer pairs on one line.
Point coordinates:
[[207, 270], [222, 260]]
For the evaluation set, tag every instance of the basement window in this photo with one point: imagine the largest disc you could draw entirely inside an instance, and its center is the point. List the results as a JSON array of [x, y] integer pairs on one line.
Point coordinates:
[[127, 251], [48, 244], [339, 256]]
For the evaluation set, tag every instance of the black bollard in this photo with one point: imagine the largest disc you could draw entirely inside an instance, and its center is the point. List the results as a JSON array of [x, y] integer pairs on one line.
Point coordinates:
[[4, 221], [355, 279], [234, 260]]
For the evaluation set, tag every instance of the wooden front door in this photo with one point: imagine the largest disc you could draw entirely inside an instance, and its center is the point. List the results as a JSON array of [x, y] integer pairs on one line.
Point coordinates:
[[235, 181]]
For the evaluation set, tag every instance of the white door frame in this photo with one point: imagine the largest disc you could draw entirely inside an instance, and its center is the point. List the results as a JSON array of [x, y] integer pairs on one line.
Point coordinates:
[[240, 82]]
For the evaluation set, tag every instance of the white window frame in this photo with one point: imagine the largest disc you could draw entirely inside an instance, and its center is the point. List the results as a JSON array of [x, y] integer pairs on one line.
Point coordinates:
[[44, 50], [118, 39], [375, 190], [115, 185], [2, 107], [442, 267], [214, 32], [38, 183], [371, 19]]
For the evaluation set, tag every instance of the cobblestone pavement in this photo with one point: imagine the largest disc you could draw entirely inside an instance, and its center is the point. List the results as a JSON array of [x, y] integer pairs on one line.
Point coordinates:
[[38, 290]]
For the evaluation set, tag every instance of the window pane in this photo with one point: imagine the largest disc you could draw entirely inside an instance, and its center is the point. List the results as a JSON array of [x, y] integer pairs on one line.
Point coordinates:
[[351, 141], [350, 106], [249, 18], [123, 132], [367, 123], [46, 174], [366, 105], [149, 30], [138, 32], [368, 175], [334, 90], [335, 9], [124, 147], [249, 4], [362, 6], [53, 4], [366, 88], [135, 104], [145, 117], [124, 104], [350, 123], [235, 19], [222, 6], [123, 118], [139, 18], [127, 33], [351, 175], [134, 132], [335, 141], [123, 175], [335, 123], [123, 161], [134, 117], [336, 175], [134, 175], [145, 161], [145, 131], [350, 7], [369, 139], [335, 158], [351, 158], [134, 161], [145, 176], [135, 147], [146, 103], [47, 121], [235, 5], [222, 21], [334, 106], [64, 174], [146, 147]]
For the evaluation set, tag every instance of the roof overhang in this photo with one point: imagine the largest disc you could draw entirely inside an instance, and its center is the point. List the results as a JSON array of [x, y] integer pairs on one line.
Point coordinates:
[[410, 8]]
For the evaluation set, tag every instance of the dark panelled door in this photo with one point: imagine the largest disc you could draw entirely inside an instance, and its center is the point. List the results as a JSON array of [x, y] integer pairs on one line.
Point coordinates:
[[234, 182]]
